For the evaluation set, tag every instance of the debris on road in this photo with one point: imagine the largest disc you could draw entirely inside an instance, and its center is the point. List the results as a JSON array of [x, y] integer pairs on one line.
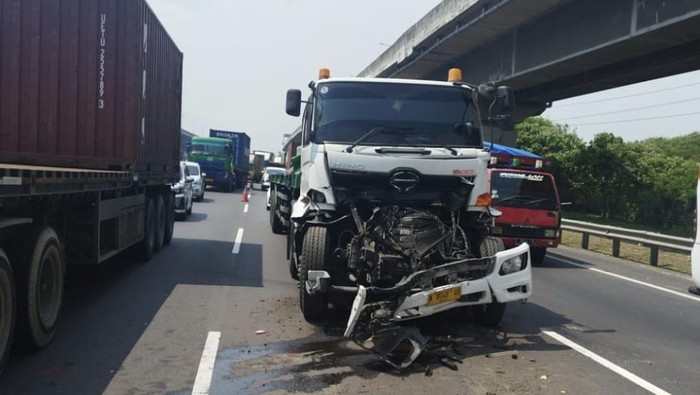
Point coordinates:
[[513, 354], [261, 332]]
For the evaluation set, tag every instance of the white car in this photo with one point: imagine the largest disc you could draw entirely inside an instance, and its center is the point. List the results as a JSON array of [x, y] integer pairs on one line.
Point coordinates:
[[198, 185], [183, 193], [274, 171]]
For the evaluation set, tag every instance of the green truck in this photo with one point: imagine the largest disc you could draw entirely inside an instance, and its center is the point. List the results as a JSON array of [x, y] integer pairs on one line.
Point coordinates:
[[215, 158]]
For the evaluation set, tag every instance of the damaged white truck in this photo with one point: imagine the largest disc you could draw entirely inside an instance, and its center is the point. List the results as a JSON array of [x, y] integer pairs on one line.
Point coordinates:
[[392, 211]]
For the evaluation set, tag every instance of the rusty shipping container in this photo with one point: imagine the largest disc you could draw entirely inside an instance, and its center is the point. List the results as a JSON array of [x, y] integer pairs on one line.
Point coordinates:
[[88, 84]]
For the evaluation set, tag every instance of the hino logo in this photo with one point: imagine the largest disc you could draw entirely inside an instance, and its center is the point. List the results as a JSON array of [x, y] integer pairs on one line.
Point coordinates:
[[404, 180], [348, 166]]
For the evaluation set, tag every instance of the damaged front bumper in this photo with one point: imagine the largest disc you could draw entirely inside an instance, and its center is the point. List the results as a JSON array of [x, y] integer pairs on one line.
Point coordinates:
[[508, 278]]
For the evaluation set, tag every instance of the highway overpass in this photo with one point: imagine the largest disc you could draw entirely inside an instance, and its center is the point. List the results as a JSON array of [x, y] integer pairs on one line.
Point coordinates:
[[548, 50]]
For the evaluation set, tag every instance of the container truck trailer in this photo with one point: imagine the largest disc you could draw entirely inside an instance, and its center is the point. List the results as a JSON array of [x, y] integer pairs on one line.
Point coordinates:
[[90, 106]]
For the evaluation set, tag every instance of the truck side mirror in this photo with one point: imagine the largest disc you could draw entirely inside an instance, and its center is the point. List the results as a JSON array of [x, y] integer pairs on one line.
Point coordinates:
[[506, 99], [293, 102], [188, 147]]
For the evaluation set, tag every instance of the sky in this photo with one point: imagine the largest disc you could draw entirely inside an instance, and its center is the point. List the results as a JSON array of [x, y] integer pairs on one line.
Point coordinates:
[[240, 57]]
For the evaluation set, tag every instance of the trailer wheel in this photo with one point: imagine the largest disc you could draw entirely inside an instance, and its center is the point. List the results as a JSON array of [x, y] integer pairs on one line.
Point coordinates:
[[315, 254], [169, 218], [537, 255], [41, 277], [147, 245], [8, 308], [490, 314], [160, 223]]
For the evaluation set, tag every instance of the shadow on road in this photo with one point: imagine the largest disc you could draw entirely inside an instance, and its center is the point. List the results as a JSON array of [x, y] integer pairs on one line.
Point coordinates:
[[326, 358], [108, 307]]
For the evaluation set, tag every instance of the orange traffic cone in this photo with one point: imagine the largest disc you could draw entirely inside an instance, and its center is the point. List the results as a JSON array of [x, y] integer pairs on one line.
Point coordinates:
[[244, 197]]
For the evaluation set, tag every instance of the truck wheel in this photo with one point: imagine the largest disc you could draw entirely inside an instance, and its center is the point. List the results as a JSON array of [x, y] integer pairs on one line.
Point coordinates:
[[147, 245], [41, 276], [169, 218], [275, 222], [291, 256], [492, 313], [489, 314], [315, 253], [8, 308], [537, 255], [160, 225]]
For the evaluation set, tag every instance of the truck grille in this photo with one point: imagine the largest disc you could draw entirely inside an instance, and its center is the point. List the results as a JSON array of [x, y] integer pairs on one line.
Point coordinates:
[[516, 231]]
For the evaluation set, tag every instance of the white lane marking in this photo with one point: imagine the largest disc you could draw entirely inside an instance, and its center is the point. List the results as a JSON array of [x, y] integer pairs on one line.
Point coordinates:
[[656, 287], [202, 381], [615, 368], [245, 208], [237, 243]]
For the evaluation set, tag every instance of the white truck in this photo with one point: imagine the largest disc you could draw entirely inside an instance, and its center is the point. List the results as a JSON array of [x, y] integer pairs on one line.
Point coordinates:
[[392, 213]]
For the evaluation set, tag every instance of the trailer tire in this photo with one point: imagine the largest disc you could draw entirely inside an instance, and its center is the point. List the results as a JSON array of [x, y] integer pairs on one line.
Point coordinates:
[[169, 218], [315, 253], [490, 314], [8, 308], [160, 223], [147, 245], [41, 277], [537, 255]]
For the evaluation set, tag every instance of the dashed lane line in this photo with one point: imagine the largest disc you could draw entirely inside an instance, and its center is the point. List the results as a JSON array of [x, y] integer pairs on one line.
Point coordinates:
[[237, 243], [607, 364], [202, 381], [245, 208]]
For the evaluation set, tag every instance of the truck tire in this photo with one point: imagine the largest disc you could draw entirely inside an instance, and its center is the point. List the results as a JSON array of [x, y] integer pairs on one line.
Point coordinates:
[[8, 309], [291, 256], [275, 222], [315, 253], [147, 245], [169, 218], [41, 273], [490, 314], [537, 255], [160, 225]]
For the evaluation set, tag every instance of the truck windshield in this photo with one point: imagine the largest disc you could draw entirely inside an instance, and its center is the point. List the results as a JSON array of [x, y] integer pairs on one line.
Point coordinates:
[[209, 149], [416, 115], [523, 190], [194, 170]]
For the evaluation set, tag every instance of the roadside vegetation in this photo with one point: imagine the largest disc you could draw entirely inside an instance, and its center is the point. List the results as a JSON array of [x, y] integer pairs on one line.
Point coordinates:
[[648, 184], [645, 185]]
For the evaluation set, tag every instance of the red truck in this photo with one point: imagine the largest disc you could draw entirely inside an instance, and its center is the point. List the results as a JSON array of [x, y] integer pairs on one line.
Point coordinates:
[[528, 199]]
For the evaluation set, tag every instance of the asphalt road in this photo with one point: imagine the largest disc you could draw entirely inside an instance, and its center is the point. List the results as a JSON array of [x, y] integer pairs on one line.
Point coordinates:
[[131, 328]]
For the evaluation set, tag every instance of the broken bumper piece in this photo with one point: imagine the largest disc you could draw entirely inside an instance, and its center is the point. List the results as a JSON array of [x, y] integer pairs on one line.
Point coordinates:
[[507, 277]]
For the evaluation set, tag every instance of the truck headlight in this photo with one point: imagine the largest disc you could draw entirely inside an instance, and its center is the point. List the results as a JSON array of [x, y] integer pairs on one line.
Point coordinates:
[[514, 264], [177, 188], [550, 233]]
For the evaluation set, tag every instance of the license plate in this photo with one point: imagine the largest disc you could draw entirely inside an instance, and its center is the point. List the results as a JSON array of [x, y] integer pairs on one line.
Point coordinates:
[[209, 179], [444, 296], [526, 241]]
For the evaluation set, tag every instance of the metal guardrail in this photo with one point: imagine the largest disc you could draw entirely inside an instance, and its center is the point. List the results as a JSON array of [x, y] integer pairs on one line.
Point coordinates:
[[655, 241]]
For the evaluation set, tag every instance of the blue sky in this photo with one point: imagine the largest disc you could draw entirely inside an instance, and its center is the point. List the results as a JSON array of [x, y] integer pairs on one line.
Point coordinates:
[[242, 56]]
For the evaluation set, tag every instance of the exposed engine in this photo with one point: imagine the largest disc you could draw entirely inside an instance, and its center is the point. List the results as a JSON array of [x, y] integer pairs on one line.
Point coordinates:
[[395, 242]]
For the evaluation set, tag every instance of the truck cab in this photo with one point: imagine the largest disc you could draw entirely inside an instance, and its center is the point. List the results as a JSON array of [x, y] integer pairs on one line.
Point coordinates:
[[527, 198], [393, 212], [215, 160]]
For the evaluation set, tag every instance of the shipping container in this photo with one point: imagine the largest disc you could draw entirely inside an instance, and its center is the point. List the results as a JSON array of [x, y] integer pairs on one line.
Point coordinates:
[[90, 84]]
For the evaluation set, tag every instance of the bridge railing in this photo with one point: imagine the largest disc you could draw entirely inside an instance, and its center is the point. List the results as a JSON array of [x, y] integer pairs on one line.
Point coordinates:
[[655, 241]]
